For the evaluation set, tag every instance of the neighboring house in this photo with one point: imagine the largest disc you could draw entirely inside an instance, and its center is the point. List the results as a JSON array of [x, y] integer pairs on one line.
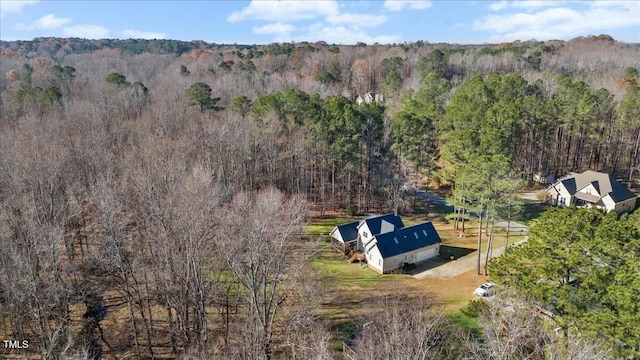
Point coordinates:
[[592, 189], [369, 98], [387, 243], [544, 179]]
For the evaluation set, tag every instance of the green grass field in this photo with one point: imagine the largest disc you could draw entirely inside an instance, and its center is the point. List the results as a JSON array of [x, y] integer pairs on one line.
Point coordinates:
[[336, 274], [322, 227]]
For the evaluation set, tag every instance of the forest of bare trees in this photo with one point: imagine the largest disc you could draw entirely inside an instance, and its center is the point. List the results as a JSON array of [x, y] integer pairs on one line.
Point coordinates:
[[143, 215]]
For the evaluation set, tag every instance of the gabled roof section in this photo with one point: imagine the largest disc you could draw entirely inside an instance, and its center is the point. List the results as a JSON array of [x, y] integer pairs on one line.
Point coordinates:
[[348, 232], [375, 222], [619, 192], [570, 185], [407, 239]]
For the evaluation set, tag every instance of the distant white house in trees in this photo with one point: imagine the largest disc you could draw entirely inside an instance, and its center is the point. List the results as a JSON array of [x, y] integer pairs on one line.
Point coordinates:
[[386, 242], [369, 98], [542, 178], [592, 189]]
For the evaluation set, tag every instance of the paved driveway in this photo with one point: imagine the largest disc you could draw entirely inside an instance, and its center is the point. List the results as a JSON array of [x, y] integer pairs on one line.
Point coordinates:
[[444, 269], [514, 227], [448, 269]]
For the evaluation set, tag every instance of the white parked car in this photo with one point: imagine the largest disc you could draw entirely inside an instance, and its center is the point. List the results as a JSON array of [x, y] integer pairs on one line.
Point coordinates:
[[485, 289]]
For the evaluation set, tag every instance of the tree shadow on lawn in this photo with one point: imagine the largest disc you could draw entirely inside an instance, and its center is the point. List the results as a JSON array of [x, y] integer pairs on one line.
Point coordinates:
[[446, 251], [531, 211], [447, 254]]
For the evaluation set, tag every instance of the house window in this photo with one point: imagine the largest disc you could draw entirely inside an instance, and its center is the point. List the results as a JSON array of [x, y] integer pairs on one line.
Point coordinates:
[[588, 191], [365, 234], [379, 262]]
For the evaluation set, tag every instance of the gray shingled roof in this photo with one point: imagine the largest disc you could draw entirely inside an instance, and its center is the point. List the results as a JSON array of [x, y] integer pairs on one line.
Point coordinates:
[[590, 198], [407, 239], [603, 183]]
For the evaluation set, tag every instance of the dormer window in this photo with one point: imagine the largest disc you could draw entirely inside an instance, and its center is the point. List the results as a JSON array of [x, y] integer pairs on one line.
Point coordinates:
[[365, 234]]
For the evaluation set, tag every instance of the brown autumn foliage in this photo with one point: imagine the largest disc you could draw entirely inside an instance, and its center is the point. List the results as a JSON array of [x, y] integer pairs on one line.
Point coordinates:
[[127, 220]]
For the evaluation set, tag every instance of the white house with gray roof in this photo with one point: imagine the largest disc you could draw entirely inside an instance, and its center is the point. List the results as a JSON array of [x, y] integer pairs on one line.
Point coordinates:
[[387, 243], [592, 189]]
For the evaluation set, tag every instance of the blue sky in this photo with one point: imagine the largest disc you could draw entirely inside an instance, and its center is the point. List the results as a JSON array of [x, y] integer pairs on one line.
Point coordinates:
[[343, 22]]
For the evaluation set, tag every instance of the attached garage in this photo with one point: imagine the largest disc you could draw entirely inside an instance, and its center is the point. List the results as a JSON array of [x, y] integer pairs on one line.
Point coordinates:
[[428, 253]]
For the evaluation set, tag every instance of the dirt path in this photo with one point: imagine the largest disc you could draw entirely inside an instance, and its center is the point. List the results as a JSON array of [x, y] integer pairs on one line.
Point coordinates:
[[457, 267]]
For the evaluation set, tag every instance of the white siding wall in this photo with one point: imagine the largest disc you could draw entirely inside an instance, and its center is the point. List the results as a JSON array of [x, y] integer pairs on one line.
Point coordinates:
[[364, 236], [625, 206], [386, 227], [560, 196], [365, 233], [336, 235], [374, 259], [427, 253], [608, 202], [589, 189], [412, 257]]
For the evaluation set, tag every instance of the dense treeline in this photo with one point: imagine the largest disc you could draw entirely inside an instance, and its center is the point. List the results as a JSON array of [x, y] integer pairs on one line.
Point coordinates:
[[170, 191], [585, 278]]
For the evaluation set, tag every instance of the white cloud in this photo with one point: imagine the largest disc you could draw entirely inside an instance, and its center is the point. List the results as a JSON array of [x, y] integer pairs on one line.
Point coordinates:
[[500, 5], [13, 6], [275, 28], [560, 22], [363, 20], [136, 34], [535, 4], [343, 35], [47, 22], [285, 10], [525, 4], [86, 31], [330, 24], [633, 6], [50, 22], [398, 5]]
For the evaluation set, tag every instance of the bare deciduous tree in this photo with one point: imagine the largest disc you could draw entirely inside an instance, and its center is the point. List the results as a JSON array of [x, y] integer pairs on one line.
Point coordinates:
[[398, 328], [263, 250]]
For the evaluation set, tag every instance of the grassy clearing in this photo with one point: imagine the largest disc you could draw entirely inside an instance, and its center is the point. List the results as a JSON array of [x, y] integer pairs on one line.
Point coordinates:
[[531, 211], [464, 321], [322, 227], [346, 286], [336, 274]]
